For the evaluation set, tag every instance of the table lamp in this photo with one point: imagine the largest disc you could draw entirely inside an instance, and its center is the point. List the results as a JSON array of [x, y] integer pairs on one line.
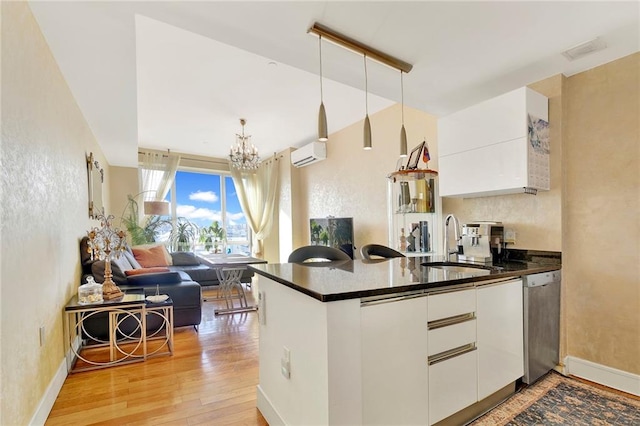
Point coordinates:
[[105, 242]]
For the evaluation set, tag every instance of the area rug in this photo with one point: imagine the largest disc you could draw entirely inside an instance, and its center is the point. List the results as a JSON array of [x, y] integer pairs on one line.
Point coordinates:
[[559, 400]]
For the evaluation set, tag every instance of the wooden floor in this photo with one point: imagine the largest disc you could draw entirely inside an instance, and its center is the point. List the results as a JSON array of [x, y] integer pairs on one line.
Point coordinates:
[[211, 379]]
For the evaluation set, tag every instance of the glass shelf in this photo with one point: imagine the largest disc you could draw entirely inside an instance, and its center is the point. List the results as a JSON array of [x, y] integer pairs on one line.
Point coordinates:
[[414, 211]]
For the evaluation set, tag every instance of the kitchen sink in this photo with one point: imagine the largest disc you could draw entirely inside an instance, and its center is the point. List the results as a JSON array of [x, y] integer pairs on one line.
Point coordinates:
[[460, 267]]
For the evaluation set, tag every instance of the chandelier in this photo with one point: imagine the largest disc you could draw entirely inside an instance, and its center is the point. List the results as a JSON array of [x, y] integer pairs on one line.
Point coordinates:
[[244, 155]]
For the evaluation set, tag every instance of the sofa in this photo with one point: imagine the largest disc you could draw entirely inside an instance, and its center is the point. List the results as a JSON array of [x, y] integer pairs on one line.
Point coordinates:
[[187, 264], [176, 283]]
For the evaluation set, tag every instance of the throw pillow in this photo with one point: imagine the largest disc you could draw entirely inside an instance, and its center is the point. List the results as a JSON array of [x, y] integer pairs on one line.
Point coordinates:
[[150, 257], [141, 271], [122, 263], [167, 256], [131, 258]]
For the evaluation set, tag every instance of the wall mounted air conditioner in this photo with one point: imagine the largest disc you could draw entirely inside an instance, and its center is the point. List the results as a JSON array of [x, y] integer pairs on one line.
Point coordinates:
[[309, 154]]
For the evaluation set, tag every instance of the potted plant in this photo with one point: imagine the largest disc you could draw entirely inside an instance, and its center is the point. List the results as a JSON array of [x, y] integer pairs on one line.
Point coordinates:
[[141, 233], [183, 235], [212, 236]]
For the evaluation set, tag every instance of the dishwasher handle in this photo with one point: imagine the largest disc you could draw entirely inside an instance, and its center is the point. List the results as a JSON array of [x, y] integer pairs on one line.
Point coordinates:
[[542, 279]]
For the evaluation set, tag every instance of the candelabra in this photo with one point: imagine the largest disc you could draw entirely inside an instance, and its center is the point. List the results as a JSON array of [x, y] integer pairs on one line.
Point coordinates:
[[105, 242]]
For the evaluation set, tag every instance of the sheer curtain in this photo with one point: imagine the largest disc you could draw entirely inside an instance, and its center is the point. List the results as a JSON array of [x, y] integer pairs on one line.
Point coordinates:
[[157, 172], [257, 194]]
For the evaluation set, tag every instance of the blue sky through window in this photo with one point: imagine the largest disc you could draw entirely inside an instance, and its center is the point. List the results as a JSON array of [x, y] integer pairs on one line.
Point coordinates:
[[199, 199]]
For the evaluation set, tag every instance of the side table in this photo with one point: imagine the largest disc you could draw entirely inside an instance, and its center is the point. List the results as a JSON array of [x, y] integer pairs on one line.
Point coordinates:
[[128, 335]]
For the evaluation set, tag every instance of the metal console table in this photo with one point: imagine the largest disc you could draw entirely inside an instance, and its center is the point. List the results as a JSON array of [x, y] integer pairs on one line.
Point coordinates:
[[128, 339]]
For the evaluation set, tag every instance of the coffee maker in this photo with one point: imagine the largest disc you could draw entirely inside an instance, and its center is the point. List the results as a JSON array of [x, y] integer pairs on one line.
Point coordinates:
[[482, 242]]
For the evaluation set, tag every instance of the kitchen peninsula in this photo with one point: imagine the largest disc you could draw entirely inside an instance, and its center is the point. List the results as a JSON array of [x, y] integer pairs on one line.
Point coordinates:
[[388, 341]]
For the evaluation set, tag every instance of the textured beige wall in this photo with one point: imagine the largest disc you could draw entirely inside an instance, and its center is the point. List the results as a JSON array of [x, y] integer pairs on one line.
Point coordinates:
[[537, 219], [601, 234], [352, 182], [124, 181], [44, 210]]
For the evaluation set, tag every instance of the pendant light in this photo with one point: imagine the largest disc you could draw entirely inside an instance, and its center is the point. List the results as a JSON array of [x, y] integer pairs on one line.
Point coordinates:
[[375, 54], [403, 132], [323, 133], [367, 123]]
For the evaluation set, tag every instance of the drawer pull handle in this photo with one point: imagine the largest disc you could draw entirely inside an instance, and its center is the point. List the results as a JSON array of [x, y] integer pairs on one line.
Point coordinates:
[[380, 300], [445, 322], [452, 353]]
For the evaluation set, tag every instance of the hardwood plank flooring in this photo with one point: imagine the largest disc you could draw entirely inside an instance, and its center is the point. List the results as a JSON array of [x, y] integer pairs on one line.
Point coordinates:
[[210, 380]]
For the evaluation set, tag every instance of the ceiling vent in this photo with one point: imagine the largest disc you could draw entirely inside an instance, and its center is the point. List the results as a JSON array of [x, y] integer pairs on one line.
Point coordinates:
[[584, 49], [309, 154]]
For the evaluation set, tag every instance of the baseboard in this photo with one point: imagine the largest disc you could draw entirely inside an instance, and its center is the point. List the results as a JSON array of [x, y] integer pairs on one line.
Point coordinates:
[[598, 373], [50, 395], [267, 410]]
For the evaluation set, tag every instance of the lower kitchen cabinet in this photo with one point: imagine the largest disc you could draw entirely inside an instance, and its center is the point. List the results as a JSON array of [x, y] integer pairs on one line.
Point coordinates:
[[500, 336], [427, 357], [394, 361], [453, 385], [453, 363]]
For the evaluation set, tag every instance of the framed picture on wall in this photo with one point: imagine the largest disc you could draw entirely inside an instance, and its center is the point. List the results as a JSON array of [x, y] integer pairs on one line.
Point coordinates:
[[414, 157], [336, 232]]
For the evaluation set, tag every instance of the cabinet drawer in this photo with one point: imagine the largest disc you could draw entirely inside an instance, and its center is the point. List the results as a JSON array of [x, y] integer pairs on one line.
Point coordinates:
[[450, 337], [452, 386], [451, 304]]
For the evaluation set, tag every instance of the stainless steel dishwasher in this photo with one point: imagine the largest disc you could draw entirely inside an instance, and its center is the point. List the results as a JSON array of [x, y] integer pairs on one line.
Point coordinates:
[[541, 324]]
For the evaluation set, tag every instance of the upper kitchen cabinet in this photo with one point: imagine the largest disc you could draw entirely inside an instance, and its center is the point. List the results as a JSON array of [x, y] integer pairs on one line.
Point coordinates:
[[500, 146]]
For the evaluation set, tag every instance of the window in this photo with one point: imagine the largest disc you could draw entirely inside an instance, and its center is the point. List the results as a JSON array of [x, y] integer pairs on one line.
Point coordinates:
[[205, 198]]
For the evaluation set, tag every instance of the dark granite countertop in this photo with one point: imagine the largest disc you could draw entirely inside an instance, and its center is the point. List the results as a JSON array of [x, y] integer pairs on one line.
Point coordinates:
[[341, 280]]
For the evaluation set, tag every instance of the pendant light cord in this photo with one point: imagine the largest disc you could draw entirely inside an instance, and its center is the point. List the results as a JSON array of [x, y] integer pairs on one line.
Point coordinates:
[[366, 86], [320, 50], [402, 94]]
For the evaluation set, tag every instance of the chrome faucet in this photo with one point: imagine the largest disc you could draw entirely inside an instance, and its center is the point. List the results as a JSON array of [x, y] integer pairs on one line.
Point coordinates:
[[456, 233]]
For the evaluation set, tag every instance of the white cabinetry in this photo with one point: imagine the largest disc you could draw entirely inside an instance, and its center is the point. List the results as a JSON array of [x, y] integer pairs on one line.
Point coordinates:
[[499, 146], [500, 336], [453, 374], [414, 211], [394, 361]]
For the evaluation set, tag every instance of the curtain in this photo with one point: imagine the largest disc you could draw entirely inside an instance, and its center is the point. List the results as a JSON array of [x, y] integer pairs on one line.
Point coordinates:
[[157, 172], [257, 194]]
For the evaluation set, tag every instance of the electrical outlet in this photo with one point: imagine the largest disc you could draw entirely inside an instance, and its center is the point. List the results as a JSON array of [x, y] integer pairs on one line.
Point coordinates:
[[285, 363], [42, 336], [509, 236], [262, 308]]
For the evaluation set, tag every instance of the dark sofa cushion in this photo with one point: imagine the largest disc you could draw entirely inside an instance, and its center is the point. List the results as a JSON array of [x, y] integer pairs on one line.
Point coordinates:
[[97, 270], [162, 278], [184, 258], [199, 273]]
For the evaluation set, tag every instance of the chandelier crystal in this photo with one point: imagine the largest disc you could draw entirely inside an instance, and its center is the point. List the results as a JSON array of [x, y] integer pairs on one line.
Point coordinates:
[[244, 155]]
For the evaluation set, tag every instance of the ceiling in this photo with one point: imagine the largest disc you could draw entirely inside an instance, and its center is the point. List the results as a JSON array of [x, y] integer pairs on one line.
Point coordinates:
[[178, 75]]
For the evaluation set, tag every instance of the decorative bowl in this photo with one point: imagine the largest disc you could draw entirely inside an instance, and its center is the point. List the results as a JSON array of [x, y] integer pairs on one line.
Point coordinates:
[[157, 298]]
